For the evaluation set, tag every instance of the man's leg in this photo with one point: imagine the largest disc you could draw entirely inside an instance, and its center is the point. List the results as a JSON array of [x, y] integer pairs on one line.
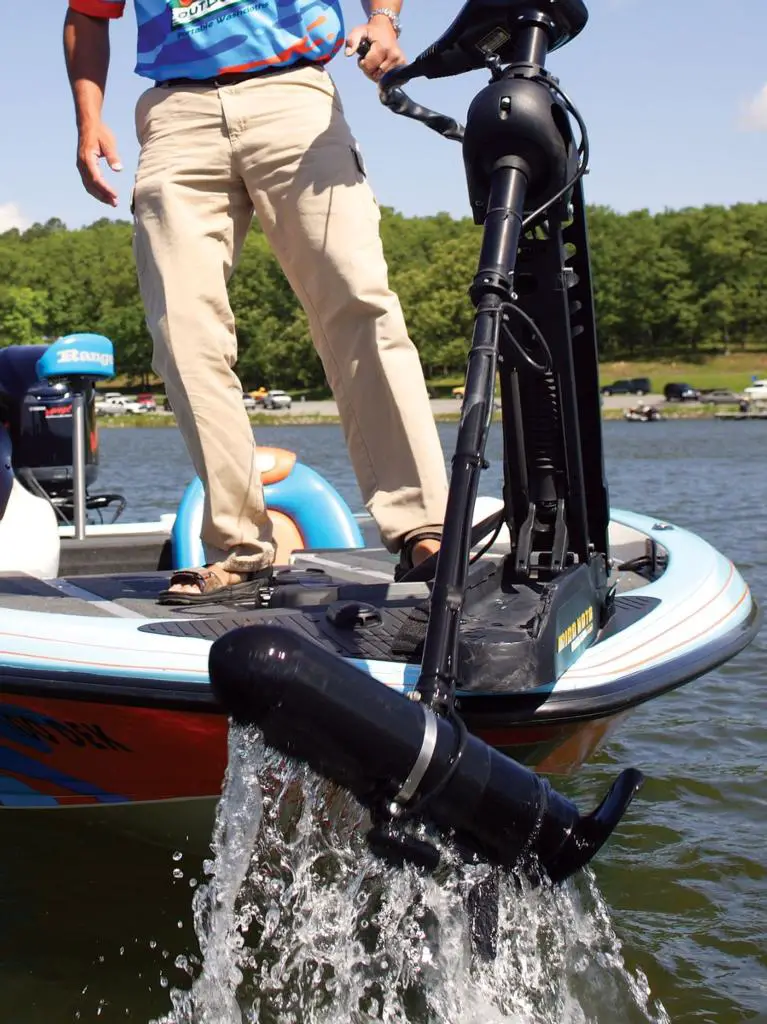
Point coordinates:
[[299, 161], [191, 216]]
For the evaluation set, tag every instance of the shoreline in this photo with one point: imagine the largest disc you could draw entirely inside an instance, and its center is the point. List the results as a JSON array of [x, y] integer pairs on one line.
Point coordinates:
[[289, 419]]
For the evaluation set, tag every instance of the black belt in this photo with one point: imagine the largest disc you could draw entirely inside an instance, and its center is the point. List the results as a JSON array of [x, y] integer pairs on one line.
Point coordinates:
[[235, 77]]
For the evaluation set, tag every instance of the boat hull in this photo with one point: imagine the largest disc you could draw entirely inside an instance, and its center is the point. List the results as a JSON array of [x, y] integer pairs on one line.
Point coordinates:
[[67, 753], [101, 716], [154, 774]]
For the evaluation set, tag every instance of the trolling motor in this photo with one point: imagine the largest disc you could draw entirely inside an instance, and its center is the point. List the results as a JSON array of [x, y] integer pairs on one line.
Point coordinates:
[[412, 759], [402, 761]]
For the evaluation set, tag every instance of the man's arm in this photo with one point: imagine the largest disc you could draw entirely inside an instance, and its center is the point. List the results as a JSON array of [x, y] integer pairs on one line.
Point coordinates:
[[86, 49], [385, 52]]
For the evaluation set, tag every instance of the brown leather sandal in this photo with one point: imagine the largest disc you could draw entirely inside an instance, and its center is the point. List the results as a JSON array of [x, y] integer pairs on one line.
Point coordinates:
[[213, 590]]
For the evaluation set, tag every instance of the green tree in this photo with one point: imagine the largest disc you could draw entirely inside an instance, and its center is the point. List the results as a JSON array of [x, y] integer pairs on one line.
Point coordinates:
[[682, 282], [22, 315]]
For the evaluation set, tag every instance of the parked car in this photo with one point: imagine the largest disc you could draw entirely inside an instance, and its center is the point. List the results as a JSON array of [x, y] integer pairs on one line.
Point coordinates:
[[458, 392], [118, 405], [258, 395], [277, 400], [103, 396], [630, 386], [720, 396], [250, 403], [676, 392], [756, 392], [148, 401]]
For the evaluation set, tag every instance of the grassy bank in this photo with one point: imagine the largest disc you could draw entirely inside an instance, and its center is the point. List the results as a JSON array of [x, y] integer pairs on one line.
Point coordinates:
[[149, 419], [732, 372]]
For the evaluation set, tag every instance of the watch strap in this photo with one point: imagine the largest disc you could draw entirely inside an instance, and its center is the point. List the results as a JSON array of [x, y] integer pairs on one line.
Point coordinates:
[[387, 12]]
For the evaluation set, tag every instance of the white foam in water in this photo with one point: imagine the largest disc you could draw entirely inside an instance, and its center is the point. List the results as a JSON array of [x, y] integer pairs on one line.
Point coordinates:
[[300, 924], [219, 920]]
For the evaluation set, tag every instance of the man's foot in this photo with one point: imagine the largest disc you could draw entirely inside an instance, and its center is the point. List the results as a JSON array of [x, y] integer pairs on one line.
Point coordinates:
[[210, 578], [212, 584], [423, 549], [416, 548]]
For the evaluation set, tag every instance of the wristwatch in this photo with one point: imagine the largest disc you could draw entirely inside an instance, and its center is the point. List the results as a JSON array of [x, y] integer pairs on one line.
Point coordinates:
[[387, 12]]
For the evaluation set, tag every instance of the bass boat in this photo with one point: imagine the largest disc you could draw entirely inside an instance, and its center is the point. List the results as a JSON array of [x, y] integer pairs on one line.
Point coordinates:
[[436, 697]]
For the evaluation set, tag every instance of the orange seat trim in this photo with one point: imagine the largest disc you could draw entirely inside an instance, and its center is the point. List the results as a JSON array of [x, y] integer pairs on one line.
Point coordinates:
[[274, 464]]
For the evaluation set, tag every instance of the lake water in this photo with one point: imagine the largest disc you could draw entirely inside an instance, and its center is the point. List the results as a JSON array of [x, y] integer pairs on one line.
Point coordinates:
[[90, 927]]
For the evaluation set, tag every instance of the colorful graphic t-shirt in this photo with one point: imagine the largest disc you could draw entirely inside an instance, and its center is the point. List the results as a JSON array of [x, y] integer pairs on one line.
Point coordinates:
[[205, 38]]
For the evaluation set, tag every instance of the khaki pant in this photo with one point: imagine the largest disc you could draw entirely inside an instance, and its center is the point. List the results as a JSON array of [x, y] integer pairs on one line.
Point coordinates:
[[277, 145]]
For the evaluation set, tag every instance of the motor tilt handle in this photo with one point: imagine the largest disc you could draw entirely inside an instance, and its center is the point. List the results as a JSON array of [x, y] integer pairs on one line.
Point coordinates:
[[392, 96], [398, 102]]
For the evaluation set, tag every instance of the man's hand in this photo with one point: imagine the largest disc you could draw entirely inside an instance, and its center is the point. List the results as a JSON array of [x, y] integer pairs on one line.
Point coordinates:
[[93, 145], [384, 53]]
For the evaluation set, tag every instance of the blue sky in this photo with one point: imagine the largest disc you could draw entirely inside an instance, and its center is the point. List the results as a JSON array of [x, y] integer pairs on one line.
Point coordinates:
[[674, 93]]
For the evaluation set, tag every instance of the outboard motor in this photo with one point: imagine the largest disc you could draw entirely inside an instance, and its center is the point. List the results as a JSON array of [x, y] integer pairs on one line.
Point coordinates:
[[42, 444], [29, 539], [39, 415], [40, 423]]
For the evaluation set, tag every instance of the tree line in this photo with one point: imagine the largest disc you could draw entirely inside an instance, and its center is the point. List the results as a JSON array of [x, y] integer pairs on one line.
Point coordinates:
[[675, 284]]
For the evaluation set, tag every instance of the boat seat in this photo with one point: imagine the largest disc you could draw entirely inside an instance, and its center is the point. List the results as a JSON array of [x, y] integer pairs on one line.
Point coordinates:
[[29, 534], [306, 512]]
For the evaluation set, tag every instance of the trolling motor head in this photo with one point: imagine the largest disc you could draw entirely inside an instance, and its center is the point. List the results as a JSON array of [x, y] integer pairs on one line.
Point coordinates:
[[401, 760], [486, 29]]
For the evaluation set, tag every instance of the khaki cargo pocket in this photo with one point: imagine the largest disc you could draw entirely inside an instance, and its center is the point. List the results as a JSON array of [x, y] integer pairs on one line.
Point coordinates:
[[359, 161], [362, 179]]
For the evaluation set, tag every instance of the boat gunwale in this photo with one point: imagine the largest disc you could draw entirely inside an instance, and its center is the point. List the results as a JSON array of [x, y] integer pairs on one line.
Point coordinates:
[[531, 707], [567, 699]]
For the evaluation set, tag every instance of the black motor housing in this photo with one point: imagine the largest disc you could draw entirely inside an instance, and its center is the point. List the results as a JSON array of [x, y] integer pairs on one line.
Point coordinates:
[[517, 122], [42, 438], [393, 754]]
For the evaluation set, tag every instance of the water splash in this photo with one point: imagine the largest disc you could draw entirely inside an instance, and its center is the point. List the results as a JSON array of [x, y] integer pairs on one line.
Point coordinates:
[[220, 918], [300, 924]]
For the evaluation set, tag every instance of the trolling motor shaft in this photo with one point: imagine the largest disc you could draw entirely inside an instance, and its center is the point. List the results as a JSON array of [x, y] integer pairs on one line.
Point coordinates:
[[519, 156], [356, 732]]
